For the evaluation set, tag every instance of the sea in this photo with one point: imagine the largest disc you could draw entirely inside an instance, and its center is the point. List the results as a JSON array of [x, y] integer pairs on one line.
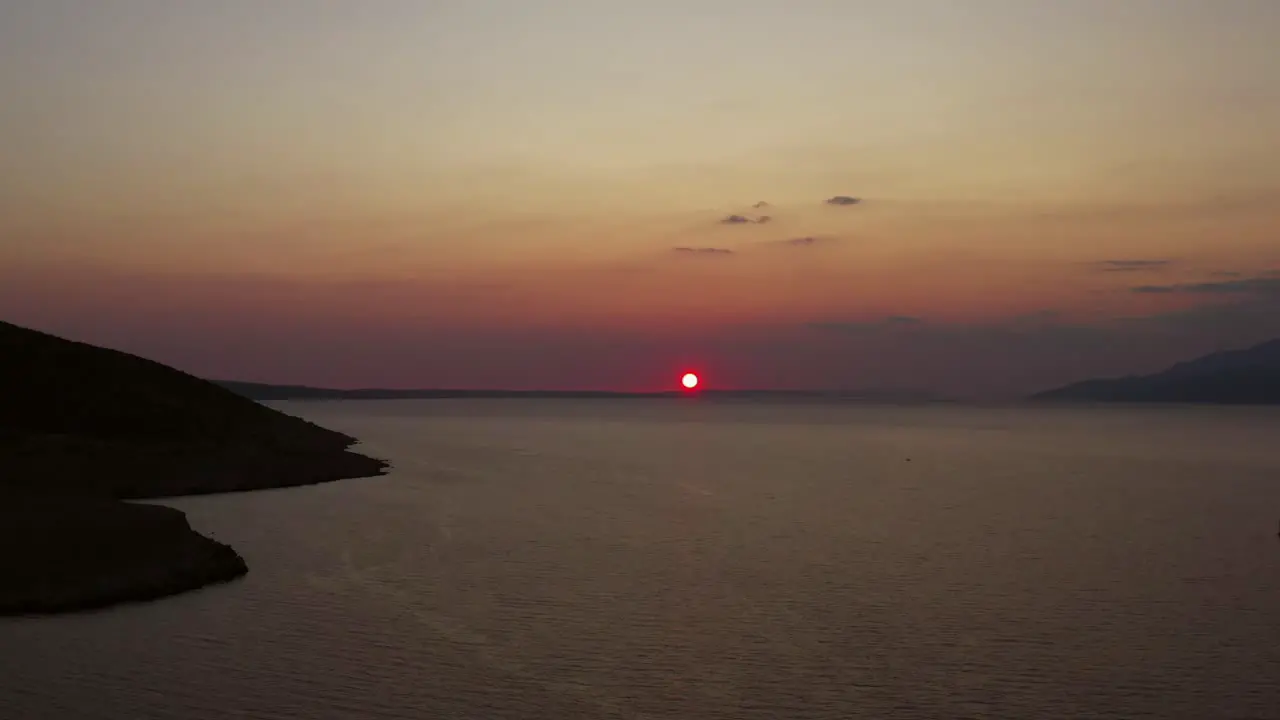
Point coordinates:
[[691, 559]]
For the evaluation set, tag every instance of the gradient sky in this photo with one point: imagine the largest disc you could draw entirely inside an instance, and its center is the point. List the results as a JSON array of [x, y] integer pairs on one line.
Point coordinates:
[[504, 193]]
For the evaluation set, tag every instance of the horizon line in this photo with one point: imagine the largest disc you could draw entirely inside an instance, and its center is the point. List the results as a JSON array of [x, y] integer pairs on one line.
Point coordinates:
[[674, 392]]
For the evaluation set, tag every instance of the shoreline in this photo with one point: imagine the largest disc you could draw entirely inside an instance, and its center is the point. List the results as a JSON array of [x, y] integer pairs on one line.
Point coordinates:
[[90, 546], [85, 429], [88, 555]]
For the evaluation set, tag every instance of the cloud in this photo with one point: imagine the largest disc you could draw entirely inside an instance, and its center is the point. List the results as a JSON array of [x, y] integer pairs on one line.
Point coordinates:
[[743, 220], [1039, 323], [1266, 285], [1132, 265], [843, 200], [1246, 320], [805, 241], [702, 250]]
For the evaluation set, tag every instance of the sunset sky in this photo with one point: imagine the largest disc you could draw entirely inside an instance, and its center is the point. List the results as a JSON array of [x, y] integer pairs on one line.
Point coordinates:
[[563, 193]]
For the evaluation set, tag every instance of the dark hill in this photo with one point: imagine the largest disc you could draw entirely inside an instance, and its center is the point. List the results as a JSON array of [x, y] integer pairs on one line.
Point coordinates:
[[82, 427], [53, 386], [1239, 377]]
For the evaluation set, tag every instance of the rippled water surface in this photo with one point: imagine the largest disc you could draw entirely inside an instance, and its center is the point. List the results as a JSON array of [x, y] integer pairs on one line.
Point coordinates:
[[667, 559]]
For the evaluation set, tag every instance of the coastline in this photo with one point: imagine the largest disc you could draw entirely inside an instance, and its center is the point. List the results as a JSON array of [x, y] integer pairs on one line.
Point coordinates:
[[66, 555], [83, 429], [90, 545]]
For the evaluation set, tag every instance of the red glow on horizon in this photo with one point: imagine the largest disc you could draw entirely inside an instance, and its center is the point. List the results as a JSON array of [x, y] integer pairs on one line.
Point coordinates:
[[689, 381]]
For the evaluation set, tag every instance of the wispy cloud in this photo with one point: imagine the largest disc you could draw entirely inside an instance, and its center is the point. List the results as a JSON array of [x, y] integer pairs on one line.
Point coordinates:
[[843, 200], [1038, 322], [702, 251], [744, 220], [1266, 285], [804, 241], [800, 241], [1132, 265]]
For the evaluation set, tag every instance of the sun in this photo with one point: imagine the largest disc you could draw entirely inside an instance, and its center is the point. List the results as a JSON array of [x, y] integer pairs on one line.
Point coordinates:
[[689, 381]]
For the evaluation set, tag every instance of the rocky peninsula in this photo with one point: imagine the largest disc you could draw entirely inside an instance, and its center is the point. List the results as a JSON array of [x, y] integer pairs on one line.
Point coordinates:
[[85, 431]]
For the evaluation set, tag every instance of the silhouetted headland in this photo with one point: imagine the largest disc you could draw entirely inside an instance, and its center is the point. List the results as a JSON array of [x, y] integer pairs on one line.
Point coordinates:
[[1237, 377], [83, 428]]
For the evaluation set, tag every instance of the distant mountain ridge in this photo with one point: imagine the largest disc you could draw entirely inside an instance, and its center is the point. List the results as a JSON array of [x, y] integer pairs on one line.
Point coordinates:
[[267, 392], [1250, 376]]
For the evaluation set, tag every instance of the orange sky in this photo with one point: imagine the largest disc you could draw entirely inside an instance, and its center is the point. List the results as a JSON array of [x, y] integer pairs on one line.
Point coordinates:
[[528, 171]]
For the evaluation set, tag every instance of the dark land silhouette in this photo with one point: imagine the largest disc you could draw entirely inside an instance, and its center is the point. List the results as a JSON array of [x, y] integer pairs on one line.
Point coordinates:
[[83, 428], [1235, 377]]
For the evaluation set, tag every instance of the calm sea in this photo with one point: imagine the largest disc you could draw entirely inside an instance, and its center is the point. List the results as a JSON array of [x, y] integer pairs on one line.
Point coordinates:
[[694, 560]]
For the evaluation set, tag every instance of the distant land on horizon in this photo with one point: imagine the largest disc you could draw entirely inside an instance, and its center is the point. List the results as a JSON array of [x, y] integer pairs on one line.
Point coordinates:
[[1250, 376], [267, 391]]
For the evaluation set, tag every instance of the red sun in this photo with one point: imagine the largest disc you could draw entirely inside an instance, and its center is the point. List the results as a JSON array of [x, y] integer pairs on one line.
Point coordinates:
[[689, 381]]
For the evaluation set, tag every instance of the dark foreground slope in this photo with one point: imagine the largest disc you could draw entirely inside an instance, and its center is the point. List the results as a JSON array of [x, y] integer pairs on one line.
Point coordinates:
[[83, 427], [1240, 377], [60, 555]]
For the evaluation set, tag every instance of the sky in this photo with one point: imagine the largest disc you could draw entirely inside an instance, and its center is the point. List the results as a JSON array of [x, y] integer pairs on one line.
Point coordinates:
[[980, 198]]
